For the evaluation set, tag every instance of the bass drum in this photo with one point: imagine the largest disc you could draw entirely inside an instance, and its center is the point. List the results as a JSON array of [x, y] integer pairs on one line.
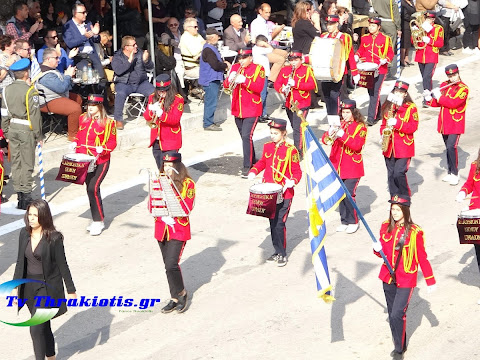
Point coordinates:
[[327, 60]]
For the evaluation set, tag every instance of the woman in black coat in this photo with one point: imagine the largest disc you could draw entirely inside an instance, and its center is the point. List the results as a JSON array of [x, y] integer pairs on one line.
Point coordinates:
[[41, 256], [408, 8], [472, 24]]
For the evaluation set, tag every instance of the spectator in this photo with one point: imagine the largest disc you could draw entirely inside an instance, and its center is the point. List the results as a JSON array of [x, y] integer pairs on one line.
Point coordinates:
[[51, 41], [22, 49], [190, 12], [471, 23], [171, 37], [191, 46], [130, 66], [160, 16], [305, 26], [7, 58], [448, 8], [329, 8], [101, 12], [408, 8], [34, 14], [55, 87], [50, 19], [235, 36], [18, 26], [259, 52], [130, 21], [211, 75], [215, 10], [82, 35], [233, 7]]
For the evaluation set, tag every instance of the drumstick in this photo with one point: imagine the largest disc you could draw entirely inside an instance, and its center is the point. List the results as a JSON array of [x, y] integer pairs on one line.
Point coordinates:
[[388, 62], [283, 175], [93, 147]]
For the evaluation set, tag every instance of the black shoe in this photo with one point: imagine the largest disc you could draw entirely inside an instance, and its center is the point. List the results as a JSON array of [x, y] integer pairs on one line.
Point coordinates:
[[20, 201], [270, 84], [283, 107], [451, 53], [169, 307], [263, 119], [281, 260], [245, 172], [272, 258], [424, 104], [182, 303], [213, 127], [27, 199], [371, 123], [396, 355]]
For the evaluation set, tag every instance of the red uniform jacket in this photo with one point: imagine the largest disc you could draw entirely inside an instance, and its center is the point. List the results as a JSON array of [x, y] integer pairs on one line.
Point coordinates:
[[181, 229], [402, 143], [283, 158], [376, 47], [472, 185], [413, 254], [92, 134], [348, 54], [346, 154], [453, 103], [304, 82], [246, 101], [169, 130], [430, 53]]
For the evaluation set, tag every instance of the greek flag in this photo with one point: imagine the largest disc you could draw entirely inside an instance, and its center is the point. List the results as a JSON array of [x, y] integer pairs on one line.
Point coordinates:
[[324, 193], [35, 68]]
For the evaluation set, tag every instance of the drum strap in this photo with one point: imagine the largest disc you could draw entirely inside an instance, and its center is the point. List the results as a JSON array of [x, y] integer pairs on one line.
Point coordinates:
[[400, 244]]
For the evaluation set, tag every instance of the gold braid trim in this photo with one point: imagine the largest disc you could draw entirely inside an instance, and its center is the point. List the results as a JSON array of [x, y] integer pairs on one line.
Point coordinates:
[[408, 261], [288, 162]]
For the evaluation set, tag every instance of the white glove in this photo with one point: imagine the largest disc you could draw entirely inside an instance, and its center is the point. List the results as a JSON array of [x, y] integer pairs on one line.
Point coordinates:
[[72, 146], [340, 133], [357, 58], [383, 61], [460, 196], [391, 122], [436, 93], [377, 246], [240, 79], [159, 112], [289, 183], [426, 39], [231, 76], [99, 149], [356, 78], [414, 27], [431, 288], [331, 130], [168, 220], [291, 82], [428, 98], [426, 92], [286, 90], [154, 107], [251, 176], [427, 26]]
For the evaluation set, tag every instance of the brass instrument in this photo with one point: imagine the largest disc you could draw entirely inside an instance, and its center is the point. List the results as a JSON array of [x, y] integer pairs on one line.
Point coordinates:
[[330, 139], [153, 123], [418, 19], [387, 131], [287, 89], [232, 85]]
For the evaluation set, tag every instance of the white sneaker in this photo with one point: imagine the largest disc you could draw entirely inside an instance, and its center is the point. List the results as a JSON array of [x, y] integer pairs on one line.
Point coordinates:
[[351, 228], [89, 227], [467, 51], [476, 51], [97, 228], [453, 179], [342, 228], [447, 178]]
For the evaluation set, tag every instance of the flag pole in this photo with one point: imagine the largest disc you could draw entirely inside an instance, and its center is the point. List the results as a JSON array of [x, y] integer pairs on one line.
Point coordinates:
[[347, 193]]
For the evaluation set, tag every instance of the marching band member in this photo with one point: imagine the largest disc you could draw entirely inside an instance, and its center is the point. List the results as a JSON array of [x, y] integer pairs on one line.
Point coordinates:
[[400, 116], [172, 233], [296, 81], [376, 48], [427, 58], [403, 243], [97, 136], [163, 114], [281, 163], [346, 157], [472, 186], [247, 80], [331, 90], [451, 119]]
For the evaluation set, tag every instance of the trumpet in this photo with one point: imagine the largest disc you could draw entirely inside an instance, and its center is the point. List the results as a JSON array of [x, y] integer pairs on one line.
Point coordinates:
[[232, 85], [330, 139], [417, 30]]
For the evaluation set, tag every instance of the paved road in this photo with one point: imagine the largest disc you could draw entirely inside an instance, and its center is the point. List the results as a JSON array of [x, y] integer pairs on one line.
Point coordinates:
[[241, 307]]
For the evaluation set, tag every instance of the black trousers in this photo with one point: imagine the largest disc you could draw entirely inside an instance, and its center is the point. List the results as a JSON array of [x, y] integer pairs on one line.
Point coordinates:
[[172, 252], [158, 154], [278, 229], [397, 175], [42, 336], [477, 252], [397, 305], [470, 36], [451, 143], [427, 71], [374, 104], [246, 127], [93, 182], [445, 23], [296, 123], [348, 215], [331, 92]]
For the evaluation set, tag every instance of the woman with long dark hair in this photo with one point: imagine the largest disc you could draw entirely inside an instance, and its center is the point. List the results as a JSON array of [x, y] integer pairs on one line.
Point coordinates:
[[163, 114], [305, 26], [346, 157], [41, 257], [97, 136], [403, 243], [172, 233]]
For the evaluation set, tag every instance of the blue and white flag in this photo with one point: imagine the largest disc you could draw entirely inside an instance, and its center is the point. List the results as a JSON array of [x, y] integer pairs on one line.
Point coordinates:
[[324, 193]]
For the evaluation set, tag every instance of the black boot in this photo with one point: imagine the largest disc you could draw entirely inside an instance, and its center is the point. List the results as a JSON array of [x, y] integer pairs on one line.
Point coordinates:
[[27, 199], [182, 303], [20, 201]]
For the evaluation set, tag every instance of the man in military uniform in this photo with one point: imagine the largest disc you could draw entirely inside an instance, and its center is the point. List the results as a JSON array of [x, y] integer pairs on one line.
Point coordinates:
[[296, 81], [22, 124]]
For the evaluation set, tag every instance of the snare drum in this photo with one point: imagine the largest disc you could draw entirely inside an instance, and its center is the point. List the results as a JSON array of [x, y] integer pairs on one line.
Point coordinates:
[[327, 60], [74, 168], [368, 72], [468, 226], [264, 199]]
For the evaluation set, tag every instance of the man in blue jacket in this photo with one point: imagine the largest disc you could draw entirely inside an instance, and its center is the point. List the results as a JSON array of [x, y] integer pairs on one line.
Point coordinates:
[[130, 67]]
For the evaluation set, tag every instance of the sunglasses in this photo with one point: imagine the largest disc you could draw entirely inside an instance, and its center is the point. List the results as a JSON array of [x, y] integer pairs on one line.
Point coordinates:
[[52, 37], [82, 12], [55, 57]]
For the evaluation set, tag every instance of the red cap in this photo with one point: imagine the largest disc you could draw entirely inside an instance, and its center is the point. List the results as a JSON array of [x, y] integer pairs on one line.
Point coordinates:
[[400, 200], [95, 99], [399, 84], [375, 20], [332, 18]]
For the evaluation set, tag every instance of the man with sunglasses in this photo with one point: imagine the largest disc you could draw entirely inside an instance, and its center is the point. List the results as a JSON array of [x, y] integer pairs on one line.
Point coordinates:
[[51, 41], [190, 12]]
